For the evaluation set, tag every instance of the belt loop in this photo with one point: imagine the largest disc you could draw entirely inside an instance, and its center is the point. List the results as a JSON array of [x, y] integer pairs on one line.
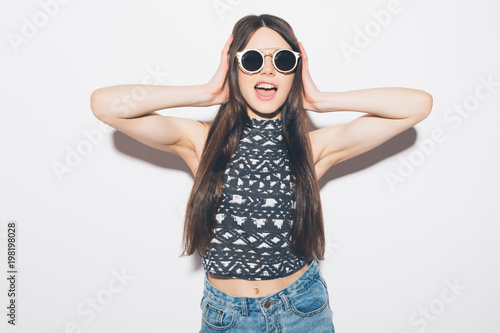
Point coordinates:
[[285, 300], [244, 307]]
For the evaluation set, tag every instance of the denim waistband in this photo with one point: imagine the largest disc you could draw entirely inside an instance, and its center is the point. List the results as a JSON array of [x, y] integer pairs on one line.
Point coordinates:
[[264, 303]]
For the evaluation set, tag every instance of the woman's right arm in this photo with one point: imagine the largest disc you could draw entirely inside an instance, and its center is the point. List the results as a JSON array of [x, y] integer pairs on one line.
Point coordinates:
[[131, 101], [131, 110]]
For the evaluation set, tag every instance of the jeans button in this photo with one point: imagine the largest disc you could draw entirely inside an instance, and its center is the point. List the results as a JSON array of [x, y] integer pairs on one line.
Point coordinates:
[[267, 303]]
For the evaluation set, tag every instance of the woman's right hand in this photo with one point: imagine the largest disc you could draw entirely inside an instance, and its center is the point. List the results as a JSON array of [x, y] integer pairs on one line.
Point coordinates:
[[218, 92]]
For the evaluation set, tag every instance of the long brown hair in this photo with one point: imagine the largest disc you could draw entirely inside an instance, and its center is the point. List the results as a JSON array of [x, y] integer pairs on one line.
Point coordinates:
[[307, 233]]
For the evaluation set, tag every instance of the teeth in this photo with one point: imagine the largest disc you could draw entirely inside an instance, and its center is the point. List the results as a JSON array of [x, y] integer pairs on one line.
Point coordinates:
[[265, 86]]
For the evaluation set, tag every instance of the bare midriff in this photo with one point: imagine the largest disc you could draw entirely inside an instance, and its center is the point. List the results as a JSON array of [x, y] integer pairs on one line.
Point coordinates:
[[254, 288]]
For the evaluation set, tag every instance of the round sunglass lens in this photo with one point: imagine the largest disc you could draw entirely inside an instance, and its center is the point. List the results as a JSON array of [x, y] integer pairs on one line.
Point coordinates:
[[284, 60], [251, 61]]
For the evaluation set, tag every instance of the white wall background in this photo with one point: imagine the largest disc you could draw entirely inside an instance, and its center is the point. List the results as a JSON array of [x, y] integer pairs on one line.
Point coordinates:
[[416, 255]]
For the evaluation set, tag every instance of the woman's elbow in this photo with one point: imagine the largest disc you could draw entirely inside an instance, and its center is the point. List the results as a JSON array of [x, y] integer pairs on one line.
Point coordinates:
[[425, 104], [96, 104]]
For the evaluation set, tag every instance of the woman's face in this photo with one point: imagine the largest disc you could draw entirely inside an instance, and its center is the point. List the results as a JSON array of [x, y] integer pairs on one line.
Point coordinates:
[[258, 105]]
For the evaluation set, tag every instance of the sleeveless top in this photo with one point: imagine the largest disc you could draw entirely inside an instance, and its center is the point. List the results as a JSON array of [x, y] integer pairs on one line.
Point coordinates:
[[254, 215]]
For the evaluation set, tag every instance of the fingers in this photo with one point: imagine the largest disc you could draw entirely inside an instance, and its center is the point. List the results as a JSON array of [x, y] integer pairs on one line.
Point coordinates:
[[225, 51], [228, 43], [303, 54]]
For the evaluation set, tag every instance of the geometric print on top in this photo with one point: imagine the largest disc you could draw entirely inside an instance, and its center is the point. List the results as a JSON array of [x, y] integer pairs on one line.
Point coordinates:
[[254, 216]]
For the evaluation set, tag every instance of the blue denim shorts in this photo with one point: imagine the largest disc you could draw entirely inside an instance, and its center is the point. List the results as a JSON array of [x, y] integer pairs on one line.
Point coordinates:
[[303, 306]]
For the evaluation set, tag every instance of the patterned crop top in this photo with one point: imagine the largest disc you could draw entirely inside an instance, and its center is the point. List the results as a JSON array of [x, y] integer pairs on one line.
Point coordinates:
[[254, 216]]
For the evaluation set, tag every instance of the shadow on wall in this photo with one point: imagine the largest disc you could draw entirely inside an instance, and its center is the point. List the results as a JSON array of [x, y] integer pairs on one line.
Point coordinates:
[[395, 145], [389, 148], [133, 148]]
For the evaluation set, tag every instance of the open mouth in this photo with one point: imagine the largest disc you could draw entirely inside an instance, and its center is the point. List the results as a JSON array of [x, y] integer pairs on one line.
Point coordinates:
[[265, 91]]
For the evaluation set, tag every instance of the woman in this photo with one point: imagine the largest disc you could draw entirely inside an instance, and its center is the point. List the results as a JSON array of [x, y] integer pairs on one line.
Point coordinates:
[[254, 213]]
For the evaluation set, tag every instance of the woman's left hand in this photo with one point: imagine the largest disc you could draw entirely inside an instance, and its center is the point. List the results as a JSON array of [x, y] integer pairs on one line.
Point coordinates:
[[311, 94]]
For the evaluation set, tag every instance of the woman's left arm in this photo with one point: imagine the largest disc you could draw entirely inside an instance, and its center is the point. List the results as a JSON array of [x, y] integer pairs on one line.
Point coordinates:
[[390, 111]]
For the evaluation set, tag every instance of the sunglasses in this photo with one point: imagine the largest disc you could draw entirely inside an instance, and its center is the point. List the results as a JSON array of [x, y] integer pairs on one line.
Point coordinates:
[[251, 61]]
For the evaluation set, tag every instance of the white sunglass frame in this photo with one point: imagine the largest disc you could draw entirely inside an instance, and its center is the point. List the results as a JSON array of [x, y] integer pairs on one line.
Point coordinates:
[[264, 55]]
